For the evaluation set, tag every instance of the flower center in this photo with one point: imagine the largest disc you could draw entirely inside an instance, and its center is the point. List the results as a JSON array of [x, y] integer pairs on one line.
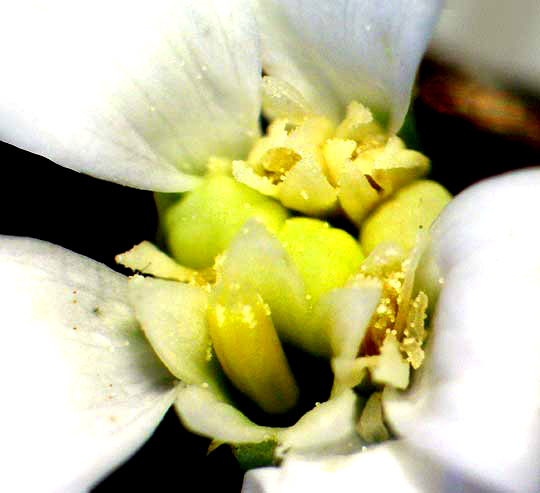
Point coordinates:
[[274, 281]]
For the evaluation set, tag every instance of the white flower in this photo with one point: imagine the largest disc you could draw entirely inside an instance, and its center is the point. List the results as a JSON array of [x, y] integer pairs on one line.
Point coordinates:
[[142, 94]]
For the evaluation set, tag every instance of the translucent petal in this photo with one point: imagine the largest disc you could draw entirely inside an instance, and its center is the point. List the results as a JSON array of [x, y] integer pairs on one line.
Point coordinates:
[[149, 259], [281, 100], [328, 429], [82, 387], [203, 412], [134, 93], [258, 259], [173, 317], [334, 52], [346, 314]]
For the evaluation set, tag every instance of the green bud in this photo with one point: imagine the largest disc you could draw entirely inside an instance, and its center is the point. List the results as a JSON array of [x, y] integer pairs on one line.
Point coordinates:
[[402, 216], [203, 223], [326, 257]]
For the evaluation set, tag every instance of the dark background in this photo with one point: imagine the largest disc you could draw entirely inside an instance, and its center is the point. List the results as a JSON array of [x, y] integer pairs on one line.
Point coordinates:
[[469, 131]]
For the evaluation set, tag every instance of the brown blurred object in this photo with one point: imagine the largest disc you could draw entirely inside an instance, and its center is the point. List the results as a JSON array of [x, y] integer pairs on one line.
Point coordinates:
[[466, 122], [449, 91]]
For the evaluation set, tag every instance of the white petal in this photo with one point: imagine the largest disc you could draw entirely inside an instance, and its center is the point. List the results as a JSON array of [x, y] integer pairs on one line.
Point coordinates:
[[388, 467], [136, 93], [82, 388], [476, 403], [337, 51], [503, 35], [345, 314], [482, 412], [496, 211]]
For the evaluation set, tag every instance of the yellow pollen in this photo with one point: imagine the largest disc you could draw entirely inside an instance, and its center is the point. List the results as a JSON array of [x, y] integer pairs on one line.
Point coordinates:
[[412, 312], [248, 316], [220, 315]]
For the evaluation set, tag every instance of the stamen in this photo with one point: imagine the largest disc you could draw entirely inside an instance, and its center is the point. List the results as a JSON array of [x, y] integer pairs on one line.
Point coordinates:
[[248, 348]]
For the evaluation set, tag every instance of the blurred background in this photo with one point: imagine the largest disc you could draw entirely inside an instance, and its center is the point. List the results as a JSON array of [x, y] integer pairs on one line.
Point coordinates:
[[477, 113]]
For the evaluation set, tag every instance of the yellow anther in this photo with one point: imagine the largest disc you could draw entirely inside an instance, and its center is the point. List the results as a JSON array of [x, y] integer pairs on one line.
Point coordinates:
[[248, 348]]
